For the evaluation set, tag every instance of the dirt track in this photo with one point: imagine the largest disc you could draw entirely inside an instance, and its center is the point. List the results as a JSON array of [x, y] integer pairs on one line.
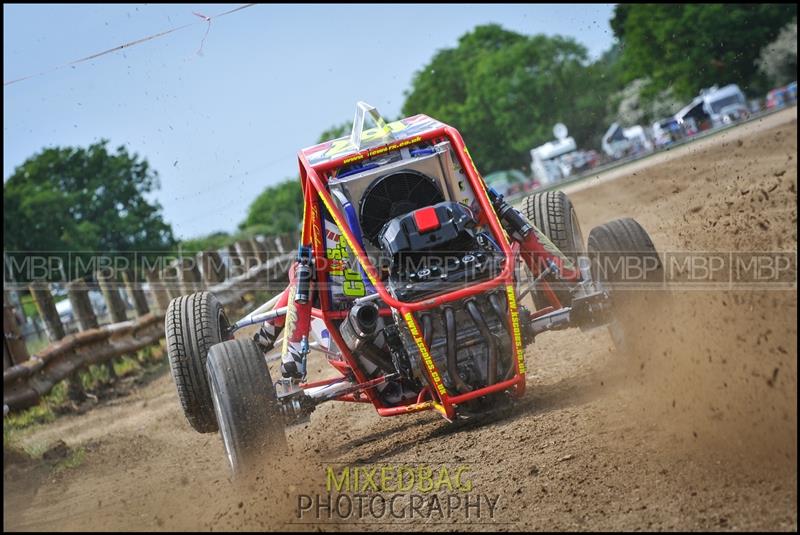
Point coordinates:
[[700, 432]]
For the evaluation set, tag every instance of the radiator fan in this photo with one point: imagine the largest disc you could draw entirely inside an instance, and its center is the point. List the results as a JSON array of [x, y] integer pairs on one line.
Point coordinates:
[[393, 195]]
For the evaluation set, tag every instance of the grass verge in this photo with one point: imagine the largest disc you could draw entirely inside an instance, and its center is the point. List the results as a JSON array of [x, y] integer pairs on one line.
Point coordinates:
[[145, 363]]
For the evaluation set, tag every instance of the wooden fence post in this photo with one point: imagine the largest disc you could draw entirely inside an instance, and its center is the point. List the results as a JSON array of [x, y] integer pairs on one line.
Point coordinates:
[[271, 246], [290, 241], [263, 256], [190, 275], [78, 293], [247, 254], [286, 245], [260, 249], [135, 292], [40, 291], [43, 298], [14, 349], [172, 280], [279, 246], [157, 289], [235, 263], [116, 307], [110, 288], [213, 268]]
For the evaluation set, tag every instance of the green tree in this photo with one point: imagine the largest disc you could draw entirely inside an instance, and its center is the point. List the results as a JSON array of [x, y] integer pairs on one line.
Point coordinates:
[[504, 91], [277, 209], [692, 46], [83, 199], [209, 242], [597, 101]]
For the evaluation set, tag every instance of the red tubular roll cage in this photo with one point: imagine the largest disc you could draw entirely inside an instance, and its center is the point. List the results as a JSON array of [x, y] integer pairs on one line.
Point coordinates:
[[311, 177]]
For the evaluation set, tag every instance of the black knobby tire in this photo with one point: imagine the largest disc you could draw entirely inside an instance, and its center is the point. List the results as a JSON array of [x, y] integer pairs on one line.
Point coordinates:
[[193, 324], [553, 214], [617, 250], [249, 415]]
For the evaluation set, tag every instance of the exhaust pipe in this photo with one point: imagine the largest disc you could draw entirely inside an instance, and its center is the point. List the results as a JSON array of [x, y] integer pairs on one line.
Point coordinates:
[[452, 368], [502, 315], [427, 330], [475, 314], [359, 330]]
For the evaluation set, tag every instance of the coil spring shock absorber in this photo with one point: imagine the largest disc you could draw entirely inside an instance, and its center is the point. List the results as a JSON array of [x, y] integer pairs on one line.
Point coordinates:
[[303, 276], [295, 346]]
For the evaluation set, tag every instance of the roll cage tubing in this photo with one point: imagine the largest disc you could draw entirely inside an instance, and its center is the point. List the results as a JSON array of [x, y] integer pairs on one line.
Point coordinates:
[[313, 183]]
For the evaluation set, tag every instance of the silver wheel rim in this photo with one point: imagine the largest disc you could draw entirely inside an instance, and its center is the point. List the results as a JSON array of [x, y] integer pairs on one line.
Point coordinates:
[[581, 256], [223, 429], [577, 234]]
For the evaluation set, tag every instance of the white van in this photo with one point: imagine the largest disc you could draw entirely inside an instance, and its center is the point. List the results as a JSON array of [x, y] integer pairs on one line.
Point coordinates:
[[725, 105]]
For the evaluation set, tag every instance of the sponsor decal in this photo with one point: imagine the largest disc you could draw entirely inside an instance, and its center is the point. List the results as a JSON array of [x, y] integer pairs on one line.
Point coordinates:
[[514, 311], [426, 357], [345, 278]]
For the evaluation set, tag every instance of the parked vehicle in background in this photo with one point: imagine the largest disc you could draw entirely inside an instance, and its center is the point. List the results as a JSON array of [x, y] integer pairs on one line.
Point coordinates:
[[558, 159], [715, 107], [545, 159], [619, 142], [791, 92], [508, 182], [725, 105], [689, 127], [782, 96], [593, 158], [776, 98], [666, 132], [67, 315], [577, 162], [691, 116]]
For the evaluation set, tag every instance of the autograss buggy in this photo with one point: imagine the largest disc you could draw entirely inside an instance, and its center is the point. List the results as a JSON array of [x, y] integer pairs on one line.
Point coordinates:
[[409, 279]]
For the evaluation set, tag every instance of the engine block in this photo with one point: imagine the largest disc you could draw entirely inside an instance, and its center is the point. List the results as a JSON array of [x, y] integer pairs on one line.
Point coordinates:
[[479, 337]]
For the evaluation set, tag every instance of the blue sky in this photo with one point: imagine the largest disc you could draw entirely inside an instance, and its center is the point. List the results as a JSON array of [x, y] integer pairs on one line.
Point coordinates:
[[221, 125]]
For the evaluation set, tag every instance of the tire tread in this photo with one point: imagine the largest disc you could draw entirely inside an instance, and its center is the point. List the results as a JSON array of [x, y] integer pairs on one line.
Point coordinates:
[[238, 370], [192, 328]]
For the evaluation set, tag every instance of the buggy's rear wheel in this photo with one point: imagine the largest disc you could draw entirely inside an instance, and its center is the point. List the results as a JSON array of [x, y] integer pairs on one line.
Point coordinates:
[[248, 413], [553, 214]]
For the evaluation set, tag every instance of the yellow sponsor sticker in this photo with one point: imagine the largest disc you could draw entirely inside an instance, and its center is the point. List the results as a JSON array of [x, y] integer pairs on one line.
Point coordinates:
[[350, 244], [515, 328], [352, 159], [315, 226], [426, 357]]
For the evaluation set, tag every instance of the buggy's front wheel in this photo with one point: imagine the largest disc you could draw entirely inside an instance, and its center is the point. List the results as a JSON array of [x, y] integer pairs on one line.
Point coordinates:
[[249, 416], [625, 261]]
